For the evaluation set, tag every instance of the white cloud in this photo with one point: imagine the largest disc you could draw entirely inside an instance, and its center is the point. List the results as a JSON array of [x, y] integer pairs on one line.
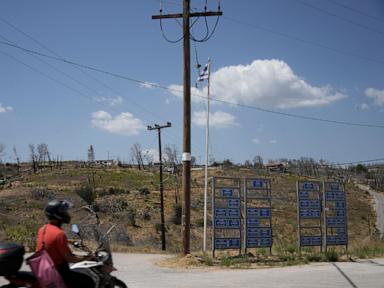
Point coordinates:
[[217, 119], [110, 100], [267, 83], [376, 95], [148, 85], [364, 106], [255, 140], [273, 141], [5, 109], [124, 123]]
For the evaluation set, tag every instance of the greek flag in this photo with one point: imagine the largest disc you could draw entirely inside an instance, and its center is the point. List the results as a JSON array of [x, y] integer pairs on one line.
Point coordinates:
[[204, 75]]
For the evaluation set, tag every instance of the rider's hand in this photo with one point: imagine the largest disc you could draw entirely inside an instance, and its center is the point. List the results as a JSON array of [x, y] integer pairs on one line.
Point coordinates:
[[90, 257]]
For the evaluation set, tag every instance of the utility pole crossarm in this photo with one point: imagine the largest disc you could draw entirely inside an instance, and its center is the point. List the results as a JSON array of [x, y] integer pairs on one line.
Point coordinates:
[[156, 126], [180, 15]]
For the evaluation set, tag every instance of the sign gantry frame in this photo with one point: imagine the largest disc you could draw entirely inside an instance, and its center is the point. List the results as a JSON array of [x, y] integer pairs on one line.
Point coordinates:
[[258, 214], [309, 220], [226, 213], [335, 215]]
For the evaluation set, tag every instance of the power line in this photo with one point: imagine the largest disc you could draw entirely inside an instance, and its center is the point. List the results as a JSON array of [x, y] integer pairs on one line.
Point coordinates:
[[48, 76], [39, 43], [57, 69], [305, 41], [341, 18], [302, 40], [300, 116], [357, 11], [180, 91]]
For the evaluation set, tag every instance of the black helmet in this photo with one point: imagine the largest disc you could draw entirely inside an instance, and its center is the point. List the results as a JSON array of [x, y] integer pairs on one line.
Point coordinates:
[[58, 209]]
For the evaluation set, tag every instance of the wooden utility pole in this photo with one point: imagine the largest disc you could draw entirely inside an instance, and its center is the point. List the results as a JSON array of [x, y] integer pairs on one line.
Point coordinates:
[[186, 157], [162, 220]]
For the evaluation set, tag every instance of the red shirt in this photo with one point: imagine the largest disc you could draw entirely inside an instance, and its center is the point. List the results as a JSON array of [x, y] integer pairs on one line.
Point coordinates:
[[56, 243]]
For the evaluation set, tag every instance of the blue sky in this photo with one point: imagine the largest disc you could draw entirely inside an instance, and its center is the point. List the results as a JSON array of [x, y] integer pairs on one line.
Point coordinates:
[[321, 59]]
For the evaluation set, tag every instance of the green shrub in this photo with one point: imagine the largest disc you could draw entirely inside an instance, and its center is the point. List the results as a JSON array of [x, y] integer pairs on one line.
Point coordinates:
[[86, 193], [144, 191], [132, 216], [207, 260], [177, 214], [226, 260], [314, 258], [291, 248], [332, 256]]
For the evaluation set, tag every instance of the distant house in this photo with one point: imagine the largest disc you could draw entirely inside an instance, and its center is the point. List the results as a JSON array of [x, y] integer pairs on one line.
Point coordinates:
[[276, 166], [105, 163]]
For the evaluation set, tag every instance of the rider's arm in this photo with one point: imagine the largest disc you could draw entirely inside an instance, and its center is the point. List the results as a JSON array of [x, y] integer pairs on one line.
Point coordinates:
[[66, 252], [71, 258]]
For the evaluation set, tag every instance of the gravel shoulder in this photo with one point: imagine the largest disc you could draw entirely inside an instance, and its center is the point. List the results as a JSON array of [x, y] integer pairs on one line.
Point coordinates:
[[379, 207]]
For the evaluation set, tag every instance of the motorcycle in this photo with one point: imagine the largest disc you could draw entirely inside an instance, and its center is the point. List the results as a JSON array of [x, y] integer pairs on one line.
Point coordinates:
[[11, 258]]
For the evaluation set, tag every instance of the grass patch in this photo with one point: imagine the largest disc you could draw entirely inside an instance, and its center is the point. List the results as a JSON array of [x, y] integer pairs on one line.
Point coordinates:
[[369, 251], [332, 256], [23, 233]]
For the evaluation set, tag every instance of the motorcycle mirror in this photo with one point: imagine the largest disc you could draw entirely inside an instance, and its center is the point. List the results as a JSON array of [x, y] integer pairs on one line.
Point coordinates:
[[75, 229]]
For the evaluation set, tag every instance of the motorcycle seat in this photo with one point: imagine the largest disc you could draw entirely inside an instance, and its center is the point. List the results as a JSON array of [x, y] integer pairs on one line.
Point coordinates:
[[23, 276]]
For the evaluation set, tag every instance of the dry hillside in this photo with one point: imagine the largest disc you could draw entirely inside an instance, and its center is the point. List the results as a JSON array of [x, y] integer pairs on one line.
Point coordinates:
[[130, 198]]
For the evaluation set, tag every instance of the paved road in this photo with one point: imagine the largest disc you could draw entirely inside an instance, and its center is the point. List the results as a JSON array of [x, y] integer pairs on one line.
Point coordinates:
[[379, 207], [141, 271], [138, 271]]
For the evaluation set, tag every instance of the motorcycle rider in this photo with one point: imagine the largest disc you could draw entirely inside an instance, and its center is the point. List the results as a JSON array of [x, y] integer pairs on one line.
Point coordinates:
[[56, 244]]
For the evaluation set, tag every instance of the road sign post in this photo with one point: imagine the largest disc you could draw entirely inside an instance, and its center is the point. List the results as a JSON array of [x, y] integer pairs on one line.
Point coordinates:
[[335, 215], [226, 213], [258, 213], [310, 232]]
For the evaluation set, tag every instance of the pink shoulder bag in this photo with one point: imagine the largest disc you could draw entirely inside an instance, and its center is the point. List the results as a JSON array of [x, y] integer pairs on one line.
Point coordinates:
[[44, 269]]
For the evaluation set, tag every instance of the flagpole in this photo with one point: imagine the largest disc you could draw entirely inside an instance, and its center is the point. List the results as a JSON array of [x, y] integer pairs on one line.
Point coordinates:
[[206, 161]]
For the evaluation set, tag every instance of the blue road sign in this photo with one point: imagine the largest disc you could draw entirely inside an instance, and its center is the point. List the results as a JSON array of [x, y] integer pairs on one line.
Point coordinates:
[[220, 213], [337, 240], [253, 222], [310, 240], [227, 213], [340, 204], [227, 243], [340, 213], [333, 196], [233, 213], [341, 230], [303, 195], [259, 242], [257, 183], [334, 186], [233, 203], [309, 186], [220, 223], [306, 204], [259, 232], [225, 192], [258, 212], [227, 223], [310, 214], [335, 222]]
